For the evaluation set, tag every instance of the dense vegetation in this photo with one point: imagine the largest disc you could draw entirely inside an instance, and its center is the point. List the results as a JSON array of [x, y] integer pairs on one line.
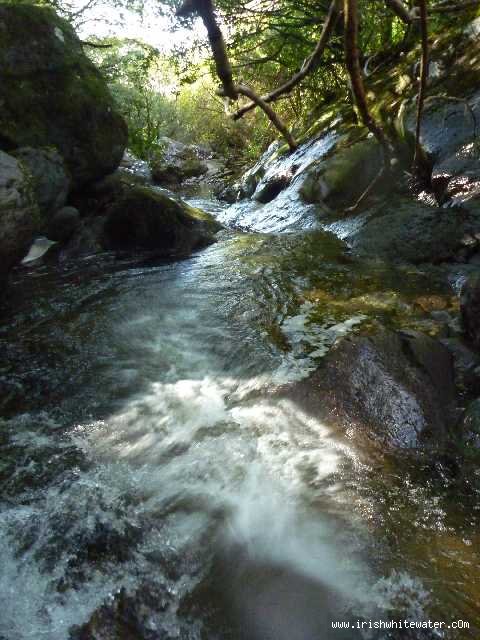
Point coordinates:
[[174, 92]]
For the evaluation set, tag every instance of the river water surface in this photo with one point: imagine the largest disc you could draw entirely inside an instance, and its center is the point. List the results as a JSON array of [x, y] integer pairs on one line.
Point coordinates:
[[146, 455]]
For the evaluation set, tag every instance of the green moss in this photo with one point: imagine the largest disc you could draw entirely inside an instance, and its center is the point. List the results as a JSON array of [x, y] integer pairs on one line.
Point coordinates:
[[52, 94]]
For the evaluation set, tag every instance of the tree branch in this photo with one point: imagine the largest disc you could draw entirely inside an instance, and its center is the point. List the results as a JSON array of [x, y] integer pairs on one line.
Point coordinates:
[[352, 59], [400, 10], [229, 89], [418, 163], [310, 64], [270, 113]]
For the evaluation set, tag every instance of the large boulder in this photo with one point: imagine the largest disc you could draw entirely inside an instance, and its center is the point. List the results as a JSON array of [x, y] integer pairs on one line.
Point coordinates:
[[20, 216], [140, 217], [51, 180], [447, 124], [175, 162], [52, 95], [395, 388], [340, 179], [409, 231]]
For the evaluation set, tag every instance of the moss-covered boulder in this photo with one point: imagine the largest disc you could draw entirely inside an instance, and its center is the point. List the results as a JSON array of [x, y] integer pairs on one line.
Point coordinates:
[[52, 95], [19, 213], [340, 179], [144, 218]]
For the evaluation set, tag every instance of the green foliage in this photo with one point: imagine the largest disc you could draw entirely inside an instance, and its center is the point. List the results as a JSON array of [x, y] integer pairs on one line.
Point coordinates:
[[155, 103], [174, 94]]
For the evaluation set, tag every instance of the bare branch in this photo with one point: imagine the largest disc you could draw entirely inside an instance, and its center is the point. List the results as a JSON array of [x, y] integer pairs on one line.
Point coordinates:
[[229, 89], [96, 45], [270, 113], [400, 10], [352, 59], [310, 64], [452, 7], [417, 159]]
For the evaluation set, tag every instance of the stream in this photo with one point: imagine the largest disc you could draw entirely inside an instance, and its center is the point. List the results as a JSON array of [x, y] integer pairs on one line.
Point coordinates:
[[146, 457]]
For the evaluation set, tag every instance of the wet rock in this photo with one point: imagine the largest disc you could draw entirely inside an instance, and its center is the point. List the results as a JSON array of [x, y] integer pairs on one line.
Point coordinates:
[[51, 180], [470, 309], [458, 176], [408, 231], [466, 364], [136, 168], [269, 189], [64, 224], [396, 388], [471, 425], [142, 218], [64, 101], [228, 194], [447, 124], [176, 162], [251, 178], [339, 180], [129, 616], [20, 217]]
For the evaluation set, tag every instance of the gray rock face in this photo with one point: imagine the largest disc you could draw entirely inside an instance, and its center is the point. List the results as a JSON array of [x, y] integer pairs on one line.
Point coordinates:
[[51, 181], [176, 162], [449, 140], [53, 96], [135, 168], [409, 231], [269, 189], [19, 214], [447, 124], [470, 309], [394, 388]]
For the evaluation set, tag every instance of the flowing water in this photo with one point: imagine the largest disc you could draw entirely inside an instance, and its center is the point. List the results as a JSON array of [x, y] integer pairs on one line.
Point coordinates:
[[146, 457]]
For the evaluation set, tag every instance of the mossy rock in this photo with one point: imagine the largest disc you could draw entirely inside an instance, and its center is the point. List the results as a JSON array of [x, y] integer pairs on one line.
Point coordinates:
[[339, 180], [52, 95], [144, 218]]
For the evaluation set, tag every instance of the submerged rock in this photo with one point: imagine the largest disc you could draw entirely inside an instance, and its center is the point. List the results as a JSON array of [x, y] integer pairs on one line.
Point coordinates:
[[20, 217], [470, 429], [52, 95], [396, 388], [129, 616]]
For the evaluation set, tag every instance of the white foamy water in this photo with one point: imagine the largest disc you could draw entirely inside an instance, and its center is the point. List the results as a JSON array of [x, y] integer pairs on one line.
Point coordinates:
[[167, 458]]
